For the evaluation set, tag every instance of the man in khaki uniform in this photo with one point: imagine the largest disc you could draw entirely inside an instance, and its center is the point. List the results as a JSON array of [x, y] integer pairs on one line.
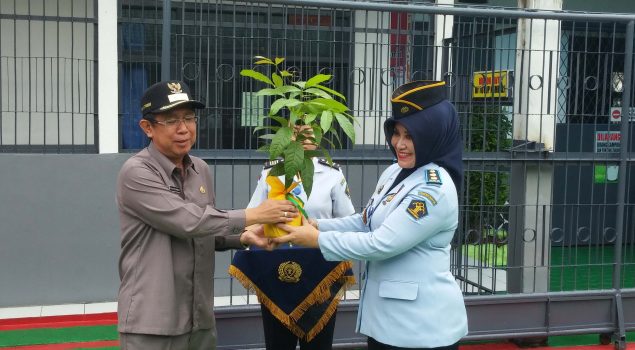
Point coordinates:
[[170, 230]]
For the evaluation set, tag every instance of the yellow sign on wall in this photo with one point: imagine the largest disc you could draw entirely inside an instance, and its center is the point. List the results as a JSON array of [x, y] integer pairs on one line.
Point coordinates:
[[489, 84]]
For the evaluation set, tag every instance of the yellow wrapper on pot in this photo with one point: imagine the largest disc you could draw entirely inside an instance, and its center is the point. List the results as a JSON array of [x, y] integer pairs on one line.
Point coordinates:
[[278, 192]]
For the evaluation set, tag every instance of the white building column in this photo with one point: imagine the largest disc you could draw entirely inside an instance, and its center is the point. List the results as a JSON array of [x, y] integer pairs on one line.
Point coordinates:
[[537, 49], [372, 63], [443, 25], [107, 75]]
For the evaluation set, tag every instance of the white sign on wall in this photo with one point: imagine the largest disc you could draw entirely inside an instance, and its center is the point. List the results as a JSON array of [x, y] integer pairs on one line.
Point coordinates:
[[615, 114], [607, 141]]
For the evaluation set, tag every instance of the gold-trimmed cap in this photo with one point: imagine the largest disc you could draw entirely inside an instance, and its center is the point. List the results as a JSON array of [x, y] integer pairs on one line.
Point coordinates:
[[415, 96], [166, 95]]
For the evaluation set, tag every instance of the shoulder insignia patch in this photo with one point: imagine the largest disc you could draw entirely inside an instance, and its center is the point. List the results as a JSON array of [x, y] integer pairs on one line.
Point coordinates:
[[271, 163], [417, 209], [433, 177], [429, 197], [326, 162]]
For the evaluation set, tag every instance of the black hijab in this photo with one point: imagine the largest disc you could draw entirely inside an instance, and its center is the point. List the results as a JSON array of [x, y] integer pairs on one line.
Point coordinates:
[[436, 137]]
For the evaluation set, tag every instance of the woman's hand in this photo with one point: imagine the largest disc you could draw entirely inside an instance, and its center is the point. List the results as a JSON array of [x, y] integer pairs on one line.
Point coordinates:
[[305, 235]]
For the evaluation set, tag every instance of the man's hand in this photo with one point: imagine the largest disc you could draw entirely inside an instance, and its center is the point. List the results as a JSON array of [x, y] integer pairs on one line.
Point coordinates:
[[271, 211], [255, 235], [305, 235]]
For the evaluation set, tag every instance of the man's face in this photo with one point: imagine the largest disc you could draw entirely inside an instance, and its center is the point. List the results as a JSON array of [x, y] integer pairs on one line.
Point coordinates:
[[173, 133]]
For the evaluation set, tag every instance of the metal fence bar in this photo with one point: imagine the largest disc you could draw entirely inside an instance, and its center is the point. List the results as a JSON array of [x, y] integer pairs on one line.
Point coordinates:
[[620, 333], [457, 10]]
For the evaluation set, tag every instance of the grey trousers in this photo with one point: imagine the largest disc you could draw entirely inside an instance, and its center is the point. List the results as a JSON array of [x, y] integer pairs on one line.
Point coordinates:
[[204, 339]]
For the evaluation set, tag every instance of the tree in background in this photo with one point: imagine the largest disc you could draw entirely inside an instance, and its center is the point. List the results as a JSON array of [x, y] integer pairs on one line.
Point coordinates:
[[488, 129]]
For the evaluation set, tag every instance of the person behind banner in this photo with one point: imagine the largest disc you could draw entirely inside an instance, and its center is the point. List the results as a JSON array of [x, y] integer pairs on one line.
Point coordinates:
[[170, 228], [409, 298], [330, 198]]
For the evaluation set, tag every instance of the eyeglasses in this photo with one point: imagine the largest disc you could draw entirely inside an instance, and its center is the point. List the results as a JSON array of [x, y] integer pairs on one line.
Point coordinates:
[[174, 123]]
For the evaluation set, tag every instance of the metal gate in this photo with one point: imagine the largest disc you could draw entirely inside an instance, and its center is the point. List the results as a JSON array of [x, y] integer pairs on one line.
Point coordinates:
[[546, 241]]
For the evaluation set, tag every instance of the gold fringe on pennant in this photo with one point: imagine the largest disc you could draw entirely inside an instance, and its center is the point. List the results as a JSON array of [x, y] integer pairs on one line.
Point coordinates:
[[262, 297], [330, 310], [320, 294]]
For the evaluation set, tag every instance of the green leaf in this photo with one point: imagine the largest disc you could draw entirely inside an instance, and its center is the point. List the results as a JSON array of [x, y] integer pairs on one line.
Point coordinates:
[[327, 156], [269, 92], [318, 92], [346, 125], [280, 142], [336, 106], [255, 75], [293, 161], [316, 80], [263, 59], [277, 170], [309, 118], [263, 127], [264, 148], [280, 91], [277, 80], [279, 60], [329, 142], [307, 175], [285, 73], [282, 102], [267, 136], [299, 84], [293, 118], [311, 154], [281, 120], [331, 91], [337, 138], [288, 88], [317, 131], [326, 120]]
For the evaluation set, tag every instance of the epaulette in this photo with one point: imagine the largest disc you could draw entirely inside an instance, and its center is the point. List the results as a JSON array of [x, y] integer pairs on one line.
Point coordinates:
[[433, 177], [326, 162], [271, 163]]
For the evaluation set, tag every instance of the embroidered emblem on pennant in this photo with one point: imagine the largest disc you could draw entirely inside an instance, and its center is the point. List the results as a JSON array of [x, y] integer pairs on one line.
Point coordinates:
[[432, 177], [289, 272], [429, 197], [417, 209]]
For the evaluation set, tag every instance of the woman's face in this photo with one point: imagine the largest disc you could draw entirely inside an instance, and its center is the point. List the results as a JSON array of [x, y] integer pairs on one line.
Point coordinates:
[[401, 141], [307, 131]]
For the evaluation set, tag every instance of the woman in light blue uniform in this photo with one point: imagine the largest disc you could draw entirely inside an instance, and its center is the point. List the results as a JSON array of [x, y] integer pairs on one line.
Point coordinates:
[[409, 298]]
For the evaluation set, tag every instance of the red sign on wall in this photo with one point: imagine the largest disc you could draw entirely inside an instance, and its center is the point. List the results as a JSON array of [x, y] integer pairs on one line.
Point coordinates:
[[398, 39]]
